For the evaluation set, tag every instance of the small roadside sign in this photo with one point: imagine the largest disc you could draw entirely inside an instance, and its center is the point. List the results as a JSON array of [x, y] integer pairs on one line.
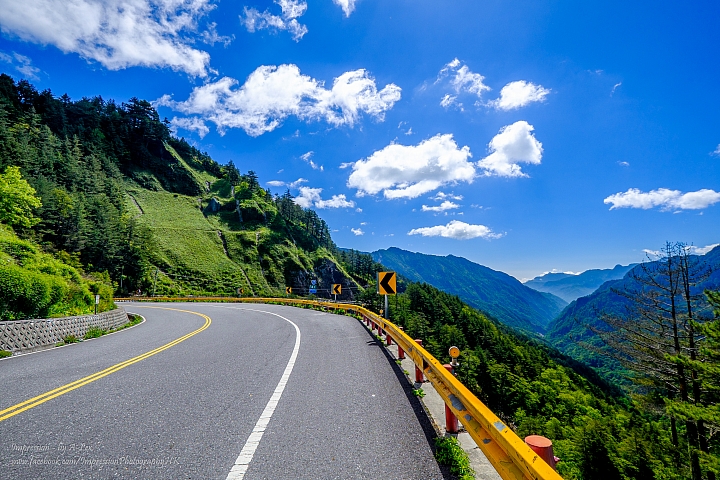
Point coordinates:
[[288, 290], [313, 290], [313, 282], [337, 288], [97, 299]]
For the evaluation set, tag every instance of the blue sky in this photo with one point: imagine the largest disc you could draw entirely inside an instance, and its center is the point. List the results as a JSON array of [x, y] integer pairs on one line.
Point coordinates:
[[526, 136]]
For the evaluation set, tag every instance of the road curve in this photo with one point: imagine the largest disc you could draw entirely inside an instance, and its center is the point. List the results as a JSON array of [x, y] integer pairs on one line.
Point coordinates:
[[189, 410]]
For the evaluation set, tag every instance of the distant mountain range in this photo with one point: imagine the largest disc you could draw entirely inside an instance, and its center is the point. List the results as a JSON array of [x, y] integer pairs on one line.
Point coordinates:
[[569, 330], [570, 287], [496, 293]]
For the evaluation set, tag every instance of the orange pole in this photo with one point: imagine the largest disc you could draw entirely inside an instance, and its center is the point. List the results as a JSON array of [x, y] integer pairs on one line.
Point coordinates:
[[451, 421], [543, 447], [419, 377]]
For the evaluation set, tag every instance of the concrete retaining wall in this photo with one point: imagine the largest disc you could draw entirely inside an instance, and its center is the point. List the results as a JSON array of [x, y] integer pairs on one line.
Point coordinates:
[[28, 335]]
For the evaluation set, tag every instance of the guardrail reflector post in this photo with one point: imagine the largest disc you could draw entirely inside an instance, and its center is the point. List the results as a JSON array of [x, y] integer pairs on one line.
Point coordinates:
[[451, 421], [388, 339], [419, 377], [401, 352], [543, 447]]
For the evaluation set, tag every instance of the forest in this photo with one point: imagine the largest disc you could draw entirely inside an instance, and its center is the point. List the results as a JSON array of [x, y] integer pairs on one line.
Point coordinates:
[[68, 231]]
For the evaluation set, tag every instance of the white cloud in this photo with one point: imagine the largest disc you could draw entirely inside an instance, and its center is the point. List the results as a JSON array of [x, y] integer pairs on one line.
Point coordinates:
[[272, 93], [363, 223], [310, 197], [410, 171], [449, 100], [717, 151], [446, 205], [462, 79], [347, 5], [279, 183], [443, 196], [701, 250], [615, 87], [211, 37], [291, 10], [514, 144], [357, 231], [623, 164], [191, 124], [664, 198], [115, 33], [519, 94], [457, 230], [22, 64], [307, 157]]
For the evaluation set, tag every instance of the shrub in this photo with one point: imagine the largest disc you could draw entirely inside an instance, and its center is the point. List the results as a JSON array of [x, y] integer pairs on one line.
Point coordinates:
[[449, 452], [94, 332], [5, 353]]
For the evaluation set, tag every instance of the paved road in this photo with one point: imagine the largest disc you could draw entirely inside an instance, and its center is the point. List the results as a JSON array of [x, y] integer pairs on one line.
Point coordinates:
[[189, 410]]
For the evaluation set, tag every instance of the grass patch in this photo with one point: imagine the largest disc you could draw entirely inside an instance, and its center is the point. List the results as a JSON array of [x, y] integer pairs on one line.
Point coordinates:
[[449, 452], [5, 354], [419, 392], [94, 332]]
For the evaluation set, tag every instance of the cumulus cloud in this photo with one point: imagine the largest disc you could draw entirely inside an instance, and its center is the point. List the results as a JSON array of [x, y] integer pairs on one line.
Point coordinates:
[[273, 93], [446, 205], [702, 250], [347, 6], [519, 94], [443, 196], [191, 124], [664, 198], [462, 79], [457, 230], [115, 33], [22, 64], [279, 183], [717, 151], [310, 197], [254, 20], [357, 231], [307, 157], [513, 145], [401, 171]]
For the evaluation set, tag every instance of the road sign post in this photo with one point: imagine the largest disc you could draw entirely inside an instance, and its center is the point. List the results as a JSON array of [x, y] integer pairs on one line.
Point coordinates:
[[336, 290], [387, 285], [288, 290]]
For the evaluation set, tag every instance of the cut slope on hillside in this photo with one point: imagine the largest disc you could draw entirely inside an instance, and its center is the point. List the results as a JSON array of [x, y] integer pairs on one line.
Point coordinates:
[[496, 293]]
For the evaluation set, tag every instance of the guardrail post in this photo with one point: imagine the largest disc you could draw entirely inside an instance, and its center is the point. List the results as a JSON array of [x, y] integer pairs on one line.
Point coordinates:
[[543, 447], [401, 352], [451, 421], [419, 377], [388, 339]]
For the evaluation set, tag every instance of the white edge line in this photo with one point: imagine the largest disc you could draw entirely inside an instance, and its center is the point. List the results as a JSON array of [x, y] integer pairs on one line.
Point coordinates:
[[237, 472]]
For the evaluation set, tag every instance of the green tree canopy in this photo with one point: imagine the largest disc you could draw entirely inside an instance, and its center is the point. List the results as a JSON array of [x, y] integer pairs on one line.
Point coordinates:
[[17, 199]]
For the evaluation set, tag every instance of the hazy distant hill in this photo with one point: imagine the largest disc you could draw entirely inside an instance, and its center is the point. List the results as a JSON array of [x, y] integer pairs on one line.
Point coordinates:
[[493, 292], [570, 287]]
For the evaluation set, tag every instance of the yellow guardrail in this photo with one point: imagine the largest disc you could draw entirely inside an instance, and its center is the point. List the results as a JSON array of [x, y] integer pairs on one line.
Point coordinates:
[[512, 458]]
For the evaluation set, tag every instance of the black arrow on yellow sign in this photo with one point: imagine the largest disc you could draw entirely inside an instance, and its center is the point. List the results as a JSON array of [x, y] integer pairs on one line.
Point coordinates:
[[288, 290], [387, 283], [337, 288]]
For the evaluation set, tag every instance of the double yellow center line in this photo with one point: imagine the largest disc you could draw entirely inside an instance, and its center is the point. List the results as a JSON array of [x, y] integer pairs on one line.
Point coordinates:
[[40, 399]]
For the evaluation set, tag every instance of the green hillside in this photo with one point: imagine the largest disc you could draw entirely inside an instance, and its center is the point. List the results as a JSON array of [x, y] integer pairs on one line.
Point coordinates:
[[496, 293], [123, 196]]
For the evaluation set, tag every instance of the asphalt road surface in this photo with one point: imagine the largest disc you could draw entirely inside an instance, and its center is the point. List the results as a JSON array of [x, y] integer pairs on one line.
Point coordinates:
[[229, 391]]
